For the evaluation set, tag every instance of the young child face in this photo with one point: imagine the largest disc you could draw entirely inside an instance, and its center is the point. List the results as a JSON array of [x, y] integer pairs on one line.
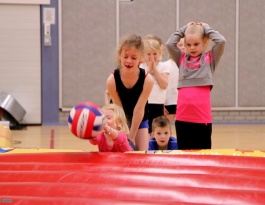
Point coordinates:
[[130, 58], [152, 54], [194, 44], [162, 135], [109, 117]]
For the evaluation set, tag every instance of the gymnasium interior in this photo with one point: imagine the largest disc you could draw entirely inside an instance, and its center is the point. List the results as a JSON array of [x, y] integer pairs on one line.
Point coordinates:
[[57, 53]]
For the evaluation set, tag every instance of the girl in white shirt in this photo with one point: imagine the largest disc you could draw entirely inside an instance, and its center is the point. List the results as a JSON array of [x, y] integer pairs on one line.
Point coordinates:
[[160, 72]]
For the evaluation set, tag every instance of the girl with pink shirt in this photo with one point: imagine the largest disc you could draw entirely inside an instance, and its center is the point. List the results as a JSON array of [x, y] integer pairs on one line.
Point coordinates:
[[196, 67], [114, 135]]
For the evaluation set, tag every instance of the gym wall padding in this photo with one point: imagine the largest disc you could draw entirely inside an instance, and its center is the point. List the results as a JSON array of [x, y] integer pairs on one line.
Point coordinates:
[[220, 15], [89, 40], [251, 54], [88, 49]]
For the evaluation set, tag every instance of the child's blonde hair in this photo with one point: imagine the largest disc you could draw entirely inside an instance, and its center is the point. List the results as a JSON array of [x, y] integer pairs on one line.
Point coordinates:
[[161, 121], [129, 41], [154, 45], [197, 29], [153, 37], [119, 117]]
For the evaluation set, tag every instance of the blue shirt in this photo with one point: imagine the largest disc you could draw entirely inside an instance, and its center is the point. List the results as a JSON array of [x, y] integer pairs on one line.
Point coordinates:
[[172, 144]]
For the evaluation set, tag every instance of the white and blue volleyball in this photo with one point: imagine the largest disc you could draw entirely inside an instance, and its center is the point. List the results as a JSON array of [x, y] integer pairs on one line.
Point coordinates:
[[86, 120]]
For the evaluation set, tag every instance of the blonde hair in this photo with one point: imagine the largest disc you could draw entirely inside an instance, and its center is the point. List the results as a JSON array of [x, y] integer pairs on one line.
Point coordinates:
[[154, 42], [129, 41], [161, 121], [195, 29], [119, 117], [198, 29], [155, 37]]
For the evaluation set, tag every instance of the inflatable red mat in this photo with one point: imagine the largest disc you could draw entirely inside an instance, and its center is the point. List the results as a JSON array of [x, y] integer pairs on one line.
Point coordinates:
[[130, 178]]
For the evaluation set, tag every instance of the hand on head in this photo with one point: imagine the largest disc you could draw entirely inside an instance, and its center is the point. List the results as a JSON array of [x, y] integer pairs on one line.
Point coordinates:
[[202, 23], [197, 23], [191, 23]]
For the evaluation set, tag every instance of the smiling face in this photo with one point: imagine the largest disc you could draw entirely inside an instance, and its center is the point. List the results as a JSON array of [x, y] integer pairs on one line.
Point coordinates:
[[162, 135], [130, 58]]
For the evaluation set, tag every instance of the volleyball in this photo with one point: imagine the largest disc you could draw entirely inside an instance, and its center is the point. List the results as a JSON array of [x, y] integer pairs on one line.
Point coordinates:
[[86, 120]]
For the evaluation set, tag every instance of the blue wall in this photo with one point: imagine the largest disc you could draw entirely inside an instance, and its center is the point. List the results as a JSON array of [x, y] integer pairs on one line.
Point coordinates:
[[50, 71]]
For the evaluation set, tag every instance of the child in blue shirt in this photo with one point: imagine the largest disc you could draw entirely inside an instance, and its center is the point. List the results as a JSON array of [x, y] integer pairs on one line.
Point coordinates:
[[161, 135]]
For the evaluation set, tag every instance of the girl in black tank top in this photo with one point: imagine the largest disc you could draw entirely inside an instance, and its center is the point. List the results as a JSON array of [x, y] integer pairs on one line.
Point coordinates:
[[129, 97], [130, 87]]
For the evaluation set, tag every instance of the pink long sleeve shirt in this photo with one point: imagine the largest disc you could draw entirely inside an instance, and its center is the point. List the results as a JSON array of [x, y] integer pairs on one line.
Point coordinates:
[[121, 144]]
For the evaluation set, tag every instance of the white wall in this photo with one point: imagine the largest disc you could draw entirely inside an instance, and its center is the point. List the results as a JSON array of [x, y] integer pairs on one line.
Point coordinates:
[[20, 55]]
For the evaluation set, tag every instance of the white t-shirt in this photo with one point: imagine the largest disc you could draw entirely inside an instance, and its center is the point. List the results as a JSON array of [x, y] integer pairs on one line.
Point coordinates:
[[157, 95], [172, 92]]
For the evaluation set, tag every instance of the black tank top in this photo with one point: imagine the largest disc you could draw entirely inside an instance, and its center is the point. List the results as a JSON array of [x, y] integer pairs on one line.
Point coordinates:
[[129, 97]]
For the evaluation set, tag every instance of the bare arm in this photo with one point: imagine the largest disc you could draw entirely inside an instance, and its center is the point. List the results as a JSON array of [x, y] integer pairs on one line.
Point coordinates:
[[139, 109], [161, 78], [111, 86]]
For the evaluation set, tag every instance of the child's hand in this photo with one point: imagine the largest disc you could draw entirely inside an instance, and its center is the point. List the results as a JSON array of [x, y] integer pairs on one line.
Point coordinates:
[[202, 24], [106, 128], [190, 23], [152, 63]]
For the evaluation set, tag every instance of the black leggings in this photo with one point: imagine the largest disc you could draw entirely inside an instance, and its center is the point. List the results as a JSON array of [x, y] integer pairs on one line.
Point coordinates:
[[193, 135]]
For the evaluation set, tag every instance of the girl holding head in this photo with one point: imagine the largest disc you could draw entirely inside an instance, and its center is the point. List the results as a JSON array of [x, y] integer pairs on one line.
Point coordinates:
[[129, 87], [196, 67]]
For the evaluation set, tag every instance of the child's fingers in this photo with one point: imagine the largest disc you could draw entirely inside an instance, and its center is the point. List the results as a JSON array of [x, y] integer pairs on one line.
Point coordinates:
[[190, 23], [202, 23]]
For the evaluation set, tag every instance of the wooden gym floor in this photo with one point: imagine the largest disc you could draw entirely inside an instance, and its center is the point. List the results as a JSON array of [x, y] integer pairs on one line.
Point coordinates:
[[225, 136]]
